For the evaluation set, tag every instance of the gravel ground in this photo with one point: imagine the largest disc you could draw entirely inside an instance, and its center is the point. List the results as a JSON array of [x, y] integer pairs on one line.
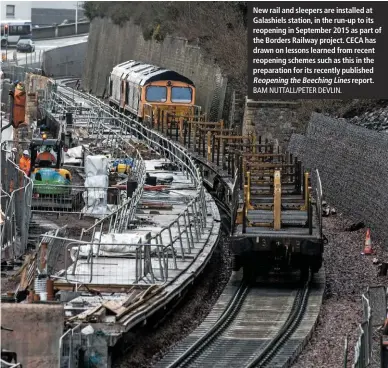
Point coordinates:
[[8, 284], [152, 343], [348, 274]]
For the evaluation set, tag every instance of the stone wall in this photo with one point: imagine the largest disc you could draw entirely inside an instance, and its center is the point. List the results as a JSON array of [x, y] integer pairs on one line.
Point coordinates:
[[353, 164], [110, 44], [36, 332], [65, 61], [271, 119]]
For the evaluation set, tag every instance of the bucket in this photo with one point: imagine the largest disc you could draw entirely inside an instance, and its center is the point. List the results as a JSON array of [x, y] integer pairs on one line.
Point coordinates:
[[131, 187], [40, 285], [123, 168], [43, 296], [30, 298]]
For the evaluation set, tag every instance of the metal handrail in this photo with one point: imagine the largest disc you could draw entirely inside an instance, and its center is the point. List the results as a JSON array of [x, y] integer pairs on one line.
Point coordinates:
[[119, 128]]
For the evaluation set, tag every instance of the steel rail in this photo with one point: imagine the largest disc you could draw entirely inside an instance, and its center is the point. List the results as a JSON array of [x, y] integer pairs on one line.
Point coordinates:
[[222, 323], [297, 311], [263, 357]]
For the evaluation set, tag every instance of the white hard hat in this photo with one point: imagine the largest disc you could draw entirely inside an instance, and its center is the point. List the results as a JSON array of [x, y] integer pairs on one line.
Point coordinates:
[[25, 152]]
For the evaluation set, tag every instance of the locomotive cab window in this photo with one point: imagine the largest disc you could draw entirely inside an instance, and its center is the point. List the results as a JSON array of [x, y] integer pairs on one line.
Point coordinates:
[[181, 94], [156, 94]]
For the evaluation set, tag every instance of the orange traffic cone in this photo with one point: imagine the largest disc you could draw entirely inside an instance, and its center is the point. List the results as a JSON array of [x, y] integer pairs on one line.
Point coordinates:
[[368, 243]]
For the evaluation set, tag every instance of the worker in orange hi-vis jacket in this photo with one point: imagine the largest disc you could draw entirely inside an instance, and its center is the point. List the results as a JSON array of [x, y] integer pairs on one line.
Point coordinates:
[[25, 162], [19, 104]]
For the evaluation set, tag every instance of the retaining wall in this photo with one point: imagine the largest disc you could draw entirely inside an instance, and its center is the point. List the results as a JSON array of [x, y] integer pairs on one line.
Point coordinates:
[[65, 61], [270, 119], [36, 332], [353, 164], [110, 44], [60, 31]]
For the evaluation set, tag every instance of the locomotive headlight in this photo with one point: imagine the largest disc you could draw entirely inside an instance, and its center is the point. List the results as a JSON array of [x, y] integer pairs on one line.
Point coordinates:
[[169, 83]]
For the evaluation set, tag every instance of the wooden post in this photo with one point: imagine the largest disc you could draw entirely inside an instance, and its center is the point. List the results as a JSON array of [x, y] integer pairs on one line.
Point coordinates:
[[195, 137], [213, 145], [246, 199], [209, 146], [248, 204], [253, 143], [306, 191], [181, 128]]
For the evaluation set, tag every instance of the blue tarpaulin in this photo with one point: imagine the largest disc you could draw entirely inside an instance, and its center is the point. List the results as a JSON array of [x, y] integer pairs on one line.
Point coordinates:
[[126, 161]]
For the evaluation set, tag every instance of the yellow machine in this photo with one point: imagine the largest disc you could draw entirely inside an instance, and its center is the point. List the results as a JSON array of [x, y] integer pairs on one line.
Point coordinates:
[[138, 88]]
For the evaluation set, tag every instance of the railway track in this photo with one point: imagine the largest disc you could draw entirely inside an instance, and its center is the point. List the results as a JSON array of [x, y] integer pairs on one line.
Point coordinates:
[[262, 324], [252, 325]]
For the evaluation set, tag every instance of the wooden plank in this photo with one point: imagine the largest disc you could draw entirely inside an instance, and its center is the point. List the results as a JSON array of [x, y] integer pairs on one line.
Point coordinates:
[[86, 313], [113, 306], [130, 299], [264, 155], [233, 137]]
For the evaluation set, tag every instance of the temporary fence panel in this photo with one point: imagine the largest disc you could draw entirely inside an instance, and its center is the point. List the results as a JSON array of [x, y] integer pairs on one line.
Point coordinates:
[[377, 296], [18, 208], [364, 345]]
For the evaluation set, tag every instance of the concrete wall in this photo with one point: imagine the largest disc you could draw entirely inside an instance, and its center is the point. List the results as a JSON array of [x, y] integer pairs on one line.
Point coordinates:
[[45, 32], [353, 164], [110, 44], [47, 15], [65, 61], [36, 332], [59, 31], [270, 119]]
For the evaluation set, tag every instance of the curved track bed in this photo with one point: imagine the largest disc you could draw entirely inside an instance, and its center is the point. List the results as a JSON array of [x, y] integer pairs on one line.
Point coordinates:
[[265, 324]]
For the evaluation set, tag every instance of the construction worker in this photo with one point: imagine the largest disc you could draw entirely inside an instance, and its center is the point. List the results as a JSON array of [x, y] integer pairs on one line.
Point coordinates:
[[25, 162], [46, 155]]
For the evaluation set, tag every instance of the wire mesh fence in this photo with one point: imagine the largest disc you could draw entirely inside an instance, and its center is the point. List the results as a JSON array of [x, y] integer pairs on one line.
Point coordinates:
[[154, 259], [16, 193], [100, 259], [97, 201], [374, 308], [69, 345], [15, 72]]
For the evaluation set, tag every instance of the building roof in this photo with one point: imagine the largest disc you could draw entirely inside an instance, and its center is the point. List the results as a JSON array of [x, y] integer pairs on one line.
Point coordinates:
[[141, 73]]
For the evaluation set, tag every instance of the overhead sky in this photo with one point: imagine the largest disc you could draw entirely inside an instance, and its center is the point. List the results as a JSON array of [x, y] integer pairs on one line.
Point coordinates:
[[55, 4]]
